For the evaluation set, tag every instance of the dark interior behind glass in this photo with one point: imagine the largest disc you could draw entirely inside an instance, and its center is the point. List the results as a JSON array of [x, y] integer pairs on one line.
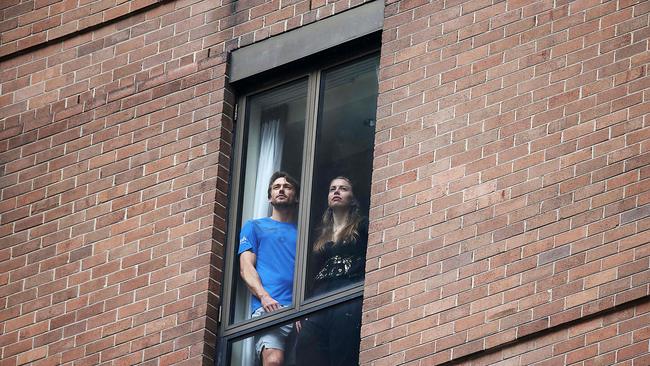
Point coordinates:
[[345, 137]]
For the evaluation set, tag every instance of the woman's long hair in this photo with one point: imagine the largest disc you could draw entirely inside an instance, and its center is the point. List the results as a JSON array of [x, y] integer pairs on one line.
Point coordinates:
[[350, 231]]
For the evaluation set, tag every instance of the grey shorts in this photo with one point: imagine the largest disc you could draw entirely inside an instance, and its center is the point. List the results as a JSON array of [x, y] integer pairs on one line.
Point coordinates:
[[272, 338]]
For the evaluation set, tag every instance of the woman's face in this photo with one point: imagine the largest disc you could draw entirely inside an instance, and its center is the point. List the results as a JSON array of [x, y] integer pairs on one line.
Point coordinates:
[[340, 194]]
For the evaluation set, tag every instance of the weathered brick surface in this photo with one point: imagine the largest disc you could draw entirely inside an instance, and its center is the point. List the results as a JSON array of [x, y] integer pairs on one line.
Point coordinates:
[[510, 189], [27, 23], [619, 337], [115, 147]]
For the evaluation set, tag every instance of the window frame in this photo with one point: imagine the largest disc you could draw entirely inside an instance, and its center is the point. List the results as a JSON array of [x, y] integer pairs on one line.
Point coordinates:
[[312, 68]]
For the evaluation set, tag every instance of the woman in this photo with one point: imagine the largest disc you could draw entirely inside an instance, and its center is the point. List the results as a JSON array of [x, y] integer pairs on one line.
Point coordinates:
[[331, 337]]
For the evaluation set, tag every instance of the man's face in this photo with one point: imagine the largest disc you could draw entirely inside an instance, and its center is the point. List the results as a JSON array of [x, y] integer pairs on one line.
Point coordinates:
[[283, 193]]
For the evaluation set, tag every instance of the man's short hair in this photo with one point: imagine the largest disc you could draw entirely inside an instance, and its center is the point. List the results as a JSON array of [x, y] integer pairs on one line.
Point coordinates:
[[288, 178]]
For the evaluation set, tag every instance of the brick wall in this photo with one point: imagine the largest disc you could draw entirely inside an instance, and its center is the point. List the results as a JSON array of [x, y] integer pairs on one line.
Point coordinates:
[[619, 337], [511, 190], [510, 194], [29, 23], [115, 137]]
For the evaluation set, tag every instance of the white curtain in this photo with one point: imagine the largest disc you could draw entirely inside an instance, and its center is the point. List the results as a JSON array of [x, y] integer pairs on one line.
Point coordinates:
[[270, 157], [269, 161]]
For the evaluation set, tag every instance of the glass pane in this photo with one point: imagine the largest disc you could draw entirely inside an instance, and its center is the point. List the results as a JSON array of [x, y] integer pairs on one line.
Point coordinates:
[[344, 148], [275, 122], [327, 337]]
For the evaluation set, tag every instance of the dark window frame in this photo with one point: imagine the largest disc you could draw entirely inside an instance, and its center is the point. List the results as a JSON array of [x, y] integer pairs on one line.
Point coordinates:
[[232, 332], [311, 66], [236, 194]]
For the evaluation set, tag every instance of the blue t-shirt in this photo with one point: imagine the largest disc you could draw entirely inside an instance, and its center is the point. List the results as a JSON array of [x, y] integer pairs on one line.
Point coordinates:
[[274, 244]]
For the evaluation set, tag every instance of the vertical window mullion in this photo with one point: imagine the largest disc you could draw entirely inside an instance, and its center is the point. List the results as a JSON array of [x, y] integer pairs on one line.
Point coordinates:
[[305, 191], [232, 219]]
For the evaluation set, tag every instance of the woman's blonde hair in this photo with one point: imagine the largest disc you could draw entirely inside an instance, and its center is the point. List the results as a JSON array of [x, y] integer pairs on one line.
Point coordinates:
[[350, 231]]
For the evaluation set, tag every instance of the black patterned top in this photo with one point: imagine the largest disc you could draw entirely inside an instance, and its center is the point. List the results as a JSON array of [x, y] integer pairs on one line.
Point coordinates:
[[341, 264]]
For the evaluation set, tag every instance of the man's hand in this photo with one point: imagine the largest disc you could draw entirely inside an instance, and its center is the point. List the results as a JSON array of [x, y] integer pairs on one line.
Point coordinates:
[[249, 273], [298, 326], [269, 304]]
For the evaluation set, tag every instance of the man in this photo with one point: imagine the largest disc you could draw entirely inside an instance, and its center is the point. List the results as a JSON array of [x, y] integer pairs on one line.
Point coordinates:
[[267, 250]]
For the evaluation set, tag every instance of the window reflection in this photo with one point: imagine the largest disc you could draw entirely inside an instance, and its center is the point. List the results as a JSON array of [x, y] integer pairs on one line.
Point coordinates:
[[274, 141], [274, 135], [328, 337], [344, 148]]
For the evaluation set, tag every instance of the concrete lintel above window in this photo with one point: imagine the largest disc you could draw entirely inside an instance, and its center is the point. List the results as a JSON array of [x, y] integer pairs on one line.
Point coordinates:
[[308, 40]]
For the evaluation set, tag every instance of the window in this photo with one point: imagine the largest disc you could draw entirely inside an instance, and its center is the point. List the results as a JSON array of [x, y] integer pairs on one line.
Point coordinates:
[[317, 126]]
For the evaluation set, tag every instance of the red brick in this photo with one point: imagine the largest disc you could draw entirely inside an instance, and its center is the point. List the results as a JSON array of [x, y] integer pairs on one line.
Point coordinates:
[[529, 183]]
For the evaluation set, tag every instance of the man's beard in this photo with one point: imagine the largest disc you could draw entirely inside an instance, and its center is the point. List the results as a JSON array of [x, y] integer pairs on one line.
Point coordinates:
[[284, 204]]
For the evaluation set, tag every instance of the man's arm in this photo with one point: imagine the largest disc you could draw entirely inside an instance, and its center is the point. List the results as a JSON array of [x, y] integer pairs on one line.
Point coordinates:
[[249, 274]]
